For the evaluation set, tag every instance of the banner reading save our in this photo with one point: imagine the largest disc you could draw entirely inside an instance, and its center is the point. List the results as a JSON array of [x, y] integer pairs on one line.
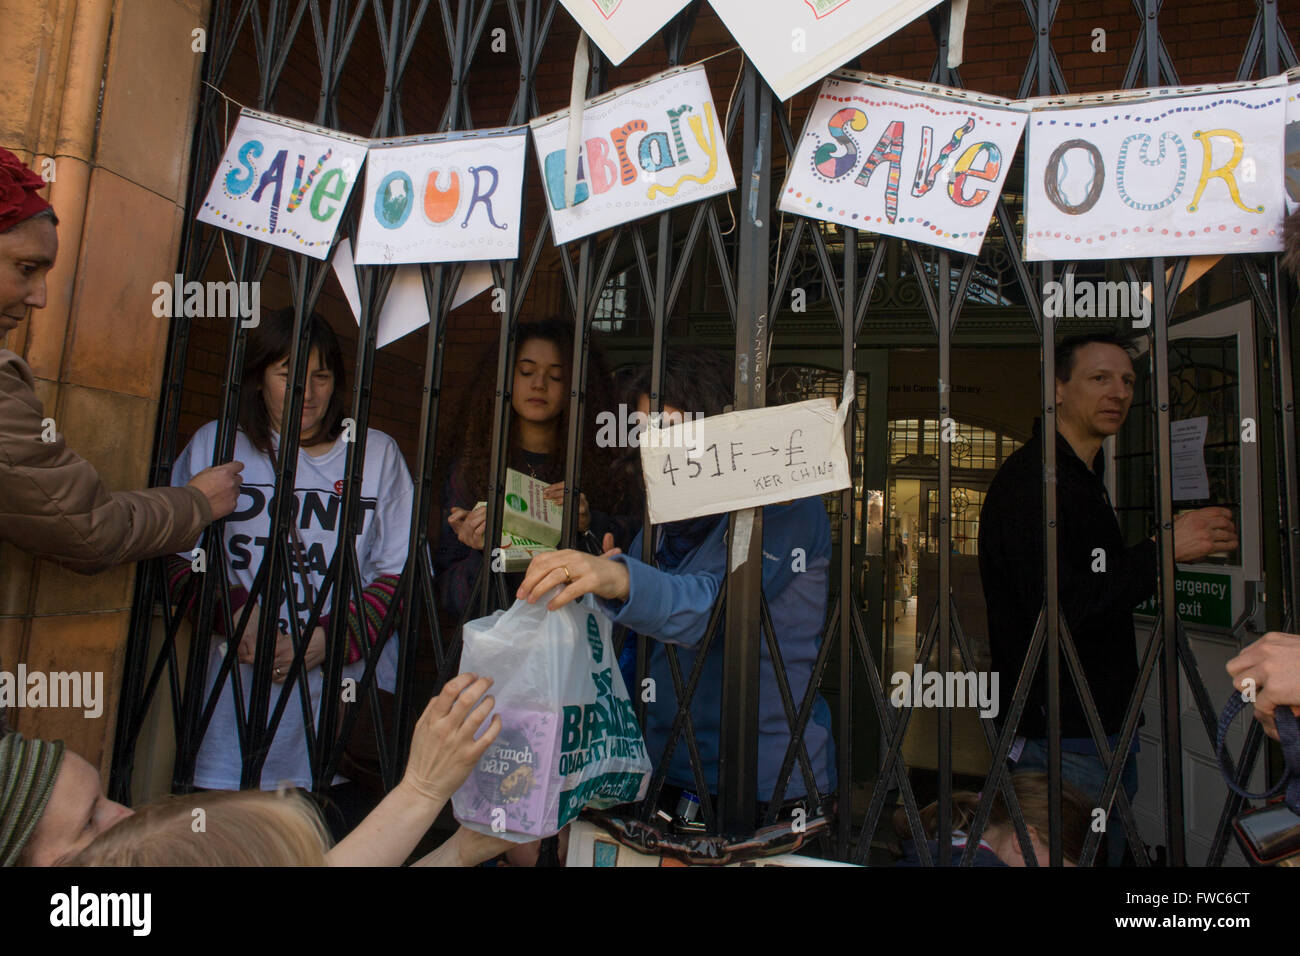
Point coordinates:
[[645, 148], [284, 182], [446, 197], [904, 159], [1176, 172]]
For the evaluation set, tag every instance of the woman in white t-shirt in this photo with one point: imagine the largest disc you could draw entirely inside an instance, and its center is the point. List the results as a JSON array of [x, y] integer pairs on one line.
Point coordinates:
[[381, 545]]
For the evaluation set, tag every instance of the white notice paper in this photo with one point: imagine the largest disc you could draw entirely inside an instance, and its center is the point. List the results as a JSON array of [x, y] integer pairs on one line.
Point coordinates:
[[745, 459], [1187, 437]]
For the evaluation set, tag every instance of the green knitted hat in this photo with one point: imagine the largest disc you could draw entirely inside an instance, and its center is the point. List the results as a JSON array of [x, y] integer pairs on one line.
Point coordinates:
[[28, 769]]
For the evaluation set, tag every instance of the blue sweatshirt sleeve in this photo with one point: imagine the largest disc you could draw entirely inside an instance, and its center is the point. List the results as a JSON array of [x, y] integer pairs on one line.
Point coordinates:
[[672, 608]]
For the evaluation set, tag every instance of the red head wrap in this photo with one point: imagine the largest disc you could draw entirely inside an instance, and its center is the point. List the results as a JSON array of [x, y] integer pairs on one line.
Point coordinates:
[[18, 196]]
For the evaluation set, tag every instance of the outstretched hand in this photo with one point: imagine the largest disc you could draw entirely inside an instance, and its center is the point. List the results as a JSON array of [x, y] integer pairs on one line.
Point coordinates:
[[443, 748]]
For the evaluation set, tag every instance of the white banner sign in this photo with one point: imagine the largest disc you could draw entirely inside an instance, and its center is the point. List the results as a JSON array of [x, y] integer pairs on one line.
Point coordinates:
[[903, 159], [1172, 173], [619, 27], [794, 44], [645, 148], [451, 197], [744, 459], [284, 182]]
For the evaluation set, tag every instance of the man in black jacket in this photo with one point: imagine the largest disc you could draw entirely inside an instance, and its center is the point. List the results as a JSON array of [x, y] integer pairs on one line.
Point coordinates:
[[1100, 579]]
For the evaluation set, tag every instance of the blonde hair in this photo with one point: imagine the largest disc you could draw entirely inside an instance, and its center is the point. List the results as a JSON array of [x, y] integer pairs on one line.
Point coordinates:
[[1031, 794], [215, 828]]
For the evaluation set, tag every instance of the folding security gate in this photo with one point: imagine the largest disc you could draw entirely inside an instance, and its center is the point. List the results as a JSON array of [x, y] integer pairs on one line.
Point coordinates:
[[248, 46]]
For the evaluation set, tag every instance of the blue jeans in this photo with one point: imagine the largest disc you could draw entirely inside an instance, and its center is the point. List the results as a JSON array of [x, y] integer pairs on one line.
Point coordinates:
[[1088, 773]]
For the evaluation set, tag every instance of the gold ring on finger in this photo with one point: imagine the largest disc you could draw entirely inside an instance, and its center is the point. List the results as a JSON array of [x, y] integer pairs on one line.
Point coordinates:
[[567, 576]]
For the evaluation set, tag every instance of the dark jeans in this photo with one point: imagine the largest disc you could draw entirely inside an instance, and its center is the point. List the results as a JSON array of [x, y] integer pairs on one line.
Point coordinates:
[[1088, 773]]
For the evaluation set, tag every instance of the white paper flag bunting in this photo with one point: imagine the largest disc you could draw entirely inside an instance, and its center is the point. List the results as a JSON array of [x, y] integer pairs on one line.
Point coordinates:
[[284, 182], [405, 308], [794, 44], [620, 27], [905, 159], [448, 197], [645, 148], [1183, 171]]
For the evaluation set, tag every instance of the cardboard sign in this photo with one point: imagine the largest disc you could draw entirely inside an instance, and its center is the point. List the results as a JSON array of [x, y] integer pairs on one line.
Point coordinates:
[[620, 27], [905, 159], [794, 43], [1170, 172], [746, 459], [646, 148], [284, 182], [451, 197]]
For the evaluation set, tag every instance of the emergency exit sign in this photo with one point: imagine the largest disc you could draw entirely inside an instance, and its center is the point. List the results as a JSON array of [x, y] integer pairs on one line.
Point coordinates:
[[1203, 598]]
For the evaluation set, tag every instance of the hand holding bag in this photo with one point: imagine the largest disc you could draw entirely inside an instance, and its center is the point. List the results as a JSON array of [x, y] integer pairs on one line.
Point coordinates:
[[569, 735]]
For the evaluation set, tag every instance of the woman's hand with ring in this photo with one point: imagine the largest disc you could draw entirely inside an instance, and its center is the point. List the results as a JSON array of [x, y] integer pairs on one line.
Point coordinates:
[[578, 573]]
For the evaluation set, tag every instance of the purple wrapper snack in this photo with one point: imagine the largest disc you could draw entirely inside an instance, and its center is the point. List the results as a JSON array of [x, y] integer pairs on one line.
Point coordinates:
[[514, 775]]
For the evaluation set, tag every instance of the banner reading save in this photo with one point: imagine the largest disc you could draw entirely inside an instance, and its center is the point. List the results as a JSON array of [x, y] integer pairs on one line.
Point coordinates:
[[1171, 172], [284, 182], [904, 159], [645, 148], [449, 197]]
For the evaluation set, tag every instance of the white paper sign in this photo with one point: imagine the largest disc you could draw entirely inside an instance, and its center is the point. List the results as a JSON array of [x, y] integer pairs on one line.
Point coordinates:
[[405, 308], [284, 182], [619, 27], [744, 460], [794, 44], [451, 197], [1170, 172], [1191, 482], [904, 159], [1291, 142], [646, 148]]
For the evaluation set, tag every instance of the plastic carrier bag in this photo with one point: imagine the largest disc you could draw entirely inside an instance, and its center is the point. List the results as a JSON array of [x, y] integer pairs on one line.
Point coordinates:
[[569, 735]]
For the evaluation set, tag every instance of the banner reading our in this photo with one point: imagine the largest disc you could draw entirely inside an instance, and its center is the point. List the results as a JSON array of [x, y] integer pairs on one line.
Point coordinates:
[[1176, 172]]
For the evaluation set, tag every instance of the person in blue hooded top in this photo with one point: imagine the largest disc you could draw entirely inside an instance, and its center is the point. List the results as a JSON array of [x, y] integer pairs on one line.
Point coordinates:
[[670, 603]]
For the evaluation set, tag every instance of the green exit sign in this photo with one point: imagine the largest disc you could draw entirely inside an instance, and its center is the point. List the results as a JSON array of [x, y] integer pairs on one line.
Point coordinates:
[[1203, 598]]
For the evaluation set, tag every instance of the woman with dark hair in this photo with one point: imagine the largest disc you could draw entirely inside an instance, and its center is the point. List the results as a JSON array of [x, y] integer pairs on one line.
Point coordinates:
[[539, 427], [381, 544]]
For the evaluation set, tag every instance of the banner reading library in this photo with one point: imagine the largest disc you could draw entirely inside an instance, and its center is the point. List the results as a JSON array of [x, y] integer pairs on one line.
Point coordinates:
[[448, 197], [904, 159], [1168, 172], [645, 148], [284, 182]]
